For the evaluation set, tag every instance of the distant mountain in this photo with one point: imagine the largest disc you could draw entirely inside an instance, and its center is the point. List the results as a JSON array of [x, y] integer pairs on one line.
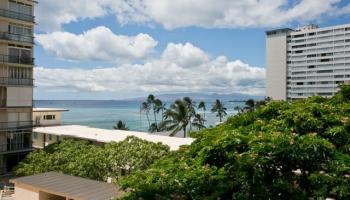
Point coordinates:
[[204, 97]]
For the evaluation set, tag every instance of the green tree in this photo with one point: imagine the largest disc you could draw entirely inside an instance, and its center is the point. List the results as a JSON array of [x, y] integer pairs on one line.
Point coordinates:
[[160, 107], [191, 107], [198, 122], [120, 125], [145, 107], [219, 108], [201, 105], [177, 117], [282, 150], [80, 158], [250, 105]]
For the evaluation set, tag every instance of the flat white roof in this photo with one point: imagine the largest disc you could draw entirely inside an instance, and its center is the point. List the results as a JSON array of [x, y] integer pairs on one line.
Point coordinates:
[[49, 110], [106, 136]]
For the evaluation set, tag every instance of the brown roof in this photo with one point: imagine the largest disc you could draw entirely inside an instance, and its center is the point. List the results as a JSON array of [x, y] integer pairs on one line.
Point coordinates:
[[69, 186]]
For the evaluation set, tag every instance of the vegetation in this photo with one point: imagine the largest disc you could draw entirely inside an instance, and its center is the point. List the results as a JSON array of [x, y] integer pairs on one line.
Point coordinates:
[[281, 150], [220, 109], [80, 158], [177, 117], [201, 105], [120, 125], [155, 105]]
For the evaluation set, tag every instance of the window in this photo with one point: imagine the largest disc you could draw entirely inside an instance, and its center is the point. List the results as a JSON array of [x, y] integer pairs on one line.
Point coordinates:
[[49, 117], [325, 60], [50, 137], [21, 8], [298, 36], [311, 56], [35, 135], [20, 30]]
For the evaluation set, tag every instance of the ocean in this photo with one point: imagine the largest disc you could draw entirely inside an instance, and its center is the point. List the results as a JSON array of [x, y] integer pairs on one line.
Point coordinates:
[[105, 113]]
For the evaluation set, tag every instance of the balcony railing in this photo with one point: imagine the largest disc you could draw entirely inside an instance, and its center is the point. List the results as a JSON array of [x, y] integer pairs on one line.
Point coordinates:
[[15, 81], [14, 146], [18, 124], [16, 37], [16, 59], [16, 15]]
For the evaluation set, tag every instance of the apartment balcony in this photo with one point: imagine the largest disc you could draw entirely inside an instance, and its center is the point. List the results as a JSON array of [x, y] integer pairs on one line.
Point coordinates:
[[15, 147], [17, 15], [16, 81], [23, 60], [16, 37], [16, 125]]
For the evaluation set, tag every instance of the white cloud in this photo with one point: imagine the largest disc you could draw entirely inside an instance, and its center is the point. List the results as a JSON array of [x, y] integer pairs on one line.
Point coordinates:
[[183, 13], [97, 44], [174, 71]]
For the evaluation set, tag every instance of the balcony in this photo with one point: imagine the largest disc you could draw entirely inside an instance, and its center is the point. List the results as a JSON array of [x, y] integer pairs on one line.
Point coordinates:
[[16, 37], [16, 125], [24, 60], [15, 81], [16, 15], [13, 146]]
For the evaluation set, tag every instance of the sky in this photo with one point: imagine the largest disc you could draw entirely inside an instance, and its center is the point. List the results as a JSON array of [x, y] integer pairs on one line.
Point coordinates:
[[118, 49]]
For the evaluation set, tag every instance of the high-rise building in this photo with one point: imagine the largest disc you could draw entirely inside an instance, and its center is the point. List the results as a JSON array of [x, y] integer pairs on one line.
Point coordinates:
[[307, 61], [16, 81]]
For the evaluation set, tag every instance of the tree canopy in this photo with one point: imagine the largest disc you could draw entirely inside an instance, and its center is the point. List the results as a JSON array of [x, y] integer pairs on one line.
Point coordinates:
[[281, 150], [81, 158]]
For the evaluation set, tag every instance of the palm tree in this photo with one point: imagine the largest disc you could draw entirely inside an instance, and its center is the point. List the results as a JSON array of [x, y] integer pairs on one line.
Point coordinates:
[[153, 128], [191, 105], [198, 122], [219, 109], [238, 109], [145, 107], [151, 99], [202, 106], [120, 125], [177, 117], [250, 105], [160, 107]]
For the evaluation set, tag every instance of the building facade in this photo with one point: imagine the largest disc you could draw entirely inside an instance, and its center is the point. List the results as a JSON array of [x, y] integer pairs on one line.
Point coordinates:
[[307, 61], [16, 81]]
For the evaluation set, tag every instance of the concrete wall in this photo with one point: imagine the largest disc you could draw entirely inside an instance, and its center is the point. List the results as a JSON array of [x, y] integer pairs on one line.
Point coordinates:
[[19, 96], [25, 194], [276, 62]]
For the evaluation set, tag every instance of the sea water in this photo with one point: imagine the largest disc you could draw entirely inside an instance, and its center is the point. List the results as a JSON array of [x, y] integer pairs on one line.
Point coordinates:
[[105, 113]]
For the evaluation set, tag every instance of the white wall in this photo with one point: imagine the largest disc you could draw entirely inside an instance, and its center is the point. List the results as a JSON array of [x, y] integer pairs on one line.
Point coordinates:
[[276, 72], [19, 96], [43, 122], [25, 194]]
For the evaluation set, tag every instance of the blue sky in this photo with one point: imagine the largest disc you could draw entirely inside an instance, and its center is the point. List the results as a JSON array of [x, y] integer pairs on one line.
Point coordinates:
[[155, 46]]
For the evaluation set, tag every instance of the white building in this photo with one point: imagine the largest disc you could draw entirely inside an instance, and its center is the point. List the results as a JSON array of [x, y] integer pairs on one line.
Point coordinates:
[[307, 61]]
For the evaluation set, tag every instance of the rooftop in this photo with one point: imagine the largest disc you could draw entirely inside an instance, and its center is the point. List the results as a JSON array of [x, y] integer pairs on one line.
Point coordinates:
[[69, 186], [49, 110], [106, 136]]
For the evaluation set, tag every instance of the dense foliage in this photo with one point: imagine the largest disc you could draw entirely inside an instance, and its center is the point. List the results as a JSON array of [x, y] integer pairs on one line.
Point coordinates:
[[80, 158], [281, 150]]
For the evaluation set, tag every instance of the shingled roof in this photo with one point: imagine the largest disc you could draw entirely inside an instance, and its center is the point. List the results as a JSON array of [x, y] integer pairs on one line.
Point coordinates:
[[69, 186]]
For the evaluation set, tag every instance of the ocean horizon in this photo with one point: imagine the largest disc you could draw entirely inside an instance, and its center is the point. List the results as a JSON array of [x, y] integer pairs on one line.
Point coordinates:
[[105, 113]]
